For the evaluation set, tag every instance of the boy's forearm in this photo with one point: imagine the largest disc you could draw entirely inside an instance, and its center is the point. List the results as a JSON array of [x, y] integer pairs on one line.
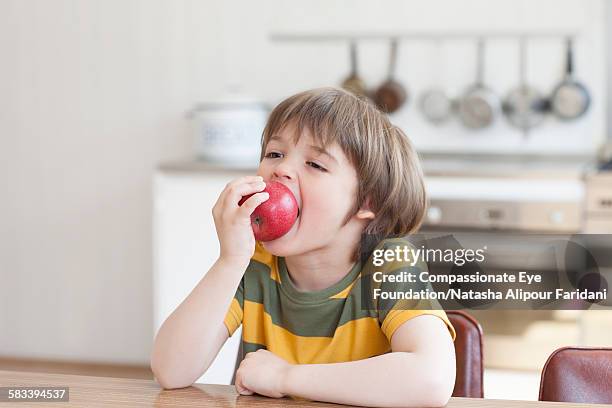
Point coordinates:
[[389, 380], [183, 345]]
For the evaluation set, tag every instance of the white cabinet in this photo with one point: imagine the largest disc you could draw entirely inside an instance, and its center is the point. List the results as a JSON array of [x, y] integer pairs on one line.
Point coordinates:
[[185, 245]]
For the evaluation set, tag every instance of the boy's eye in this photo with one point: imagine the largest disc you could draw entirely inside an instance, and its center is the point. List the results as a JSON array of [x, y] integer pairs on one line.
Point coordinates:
[[273, 155], [316, 166]]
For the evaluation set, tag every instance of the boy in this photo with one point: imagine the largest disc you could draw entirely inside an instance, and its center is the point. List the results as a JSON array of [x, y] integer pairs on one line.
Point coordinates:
[[305, 332]]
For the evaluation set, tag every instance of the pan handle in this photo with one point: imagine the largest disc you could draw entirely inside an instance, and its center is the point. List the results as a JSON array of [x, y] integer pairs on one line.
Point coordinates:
[[569, 70], [523, 61], [392, 58], [353, 56], [480, 62]]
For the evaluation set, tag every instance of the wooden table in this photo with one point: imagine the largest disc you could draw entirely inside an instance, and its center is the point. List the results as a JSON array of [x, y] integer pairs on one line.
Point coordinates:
[[88, 391]]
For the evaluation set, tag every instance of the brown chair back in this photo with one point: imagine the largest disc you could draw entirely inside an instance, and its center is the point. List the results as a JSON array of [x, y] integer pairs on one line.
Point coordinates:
[[468, 351], [578, 374]]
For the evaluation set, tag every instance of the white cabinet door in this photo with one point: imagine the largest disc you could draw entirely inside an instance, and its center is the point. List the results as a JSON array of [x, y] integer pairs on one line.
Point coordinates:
[[185, 246]]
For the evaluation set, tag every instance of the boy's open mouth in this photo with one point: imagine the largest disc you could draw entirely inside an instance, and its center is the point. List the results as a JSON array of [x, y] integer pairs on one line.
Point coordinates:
[[299, 211], [298, 198]]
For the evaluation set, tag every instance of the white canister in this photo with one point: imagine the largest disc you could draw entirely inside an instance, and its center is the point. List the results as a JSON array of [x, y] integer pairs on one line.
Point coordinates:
[[228, 131]]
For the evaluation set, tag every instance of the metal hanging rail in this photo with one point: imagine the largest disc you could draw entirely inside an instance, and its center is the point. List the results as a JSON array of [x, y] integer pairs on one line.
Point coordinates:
[[415, 35]]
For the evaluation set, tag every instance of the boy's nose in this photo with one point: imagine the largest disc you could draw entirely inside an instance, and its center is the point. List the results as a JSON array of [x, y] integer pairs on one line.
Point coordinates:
[[284, 170]]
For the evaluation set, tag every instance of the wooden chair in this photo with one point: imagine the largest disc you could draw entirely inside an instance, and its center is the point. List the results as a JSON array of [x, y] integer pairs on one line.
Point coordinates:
[[578, 374]]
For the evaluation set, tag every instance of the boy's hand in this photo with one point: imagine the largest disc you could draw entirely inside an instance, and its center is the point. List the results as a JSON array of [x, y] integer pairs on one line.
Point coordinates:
[[233, 222], [262, 372]]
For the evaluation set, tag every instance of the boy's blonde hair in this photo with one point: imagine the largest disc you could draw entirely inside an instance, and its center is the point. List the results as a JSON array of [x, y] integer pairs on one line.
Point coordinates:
[[390, 179]]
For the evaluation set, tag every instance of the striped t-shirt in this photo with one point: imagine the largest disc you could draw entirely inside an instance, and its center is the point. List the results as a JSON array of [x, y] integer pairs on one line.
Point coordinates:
[[326, 326]]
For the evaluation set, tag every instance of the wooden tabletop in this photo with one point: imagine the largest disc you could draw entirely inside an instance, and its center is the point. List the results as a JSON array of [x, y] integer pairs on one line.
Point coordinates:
[[85, 391]]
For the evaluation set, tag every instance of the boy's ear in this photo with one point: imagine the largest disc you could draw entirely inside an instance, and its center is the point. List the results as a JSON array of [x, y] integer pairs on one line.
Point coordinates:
[[365, 213]]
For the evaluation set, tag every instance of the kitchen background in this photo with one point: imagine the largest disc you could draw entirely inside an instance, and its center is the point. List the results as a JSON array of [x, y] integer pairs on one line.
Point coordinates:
[[102, 217]]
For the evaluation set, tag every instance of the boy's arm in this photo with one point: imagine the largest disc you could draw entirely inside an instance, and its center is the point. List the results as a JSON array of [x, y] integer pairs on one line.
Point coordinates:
[[420, 371], [193, 334], [190, 338]]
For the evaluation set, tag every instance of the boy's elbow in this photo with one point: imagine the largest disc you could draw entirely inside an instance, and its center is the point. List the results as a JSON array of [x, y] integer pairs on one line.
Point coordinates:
[[170, 383], [437, 380], [440, 389], [440, 376], [436, 393], [439, 395], [165, 377]]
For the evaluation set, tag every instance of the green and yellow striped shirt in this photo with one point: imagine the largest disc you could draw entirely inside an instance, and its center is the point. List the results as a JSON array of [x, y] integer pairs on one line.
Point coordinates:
[[326, 326]]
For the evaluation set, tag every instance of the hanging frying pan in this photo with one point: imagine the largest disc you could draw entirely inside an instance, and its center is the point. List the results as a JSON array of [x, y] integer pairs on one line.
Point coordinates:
[[479, 106], [354, 83], [391, 95], [436, 106], [434, 103], [570, 99], [524, 107]]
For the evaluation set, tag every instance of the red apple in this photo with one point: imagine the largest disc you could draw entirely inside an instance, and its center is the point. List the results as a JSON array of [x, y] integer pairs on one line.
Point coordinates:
[[274, 217]]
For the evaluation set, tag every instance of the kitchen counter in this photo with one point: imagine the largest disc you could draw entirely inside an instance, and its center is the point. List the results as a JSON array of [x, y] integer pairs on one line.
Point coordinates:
[[201, 166], [85, 391], [447, 165], [461, 178], [506, 166]]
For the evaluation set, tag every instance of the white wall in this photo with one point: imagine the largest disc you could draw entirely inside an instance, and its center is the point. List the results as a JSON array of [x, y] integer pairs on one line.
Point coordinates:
[[92, 96]]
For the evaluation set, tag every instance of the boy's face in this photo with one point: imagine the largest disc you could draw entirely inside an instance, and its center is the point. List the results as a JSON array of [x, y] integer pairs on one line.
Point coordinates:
[[324, 184]]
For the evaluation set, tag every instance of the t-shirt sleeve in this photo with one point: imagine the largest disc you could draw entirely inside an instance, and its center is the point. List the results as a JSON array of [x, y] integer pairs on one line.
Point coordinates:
[[233, 317], [393, 313], [395, 318]]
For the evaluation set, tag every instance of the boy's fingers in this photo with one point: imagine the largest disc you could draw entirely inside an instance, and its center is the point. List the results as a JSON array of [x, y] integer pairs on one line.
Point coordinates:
[[243, 180], [236, 192], [233, 183], [241, 389], [244, 391], [249, 205]]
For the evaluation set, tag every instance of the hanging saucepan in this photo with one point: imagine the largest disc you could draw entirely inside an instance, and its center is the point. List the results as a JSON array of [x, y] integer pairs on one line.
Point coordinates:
[[524, 106], [391, 95], [570, 99], [479, 105], [434, 103], [354, 83], [436, 106]]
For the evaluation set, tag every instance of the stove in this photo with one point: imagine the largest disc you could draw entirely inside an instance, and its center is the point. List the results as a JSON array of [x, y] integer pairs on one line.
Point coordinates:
[[506, 193], [498, 194], [598, 202]]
